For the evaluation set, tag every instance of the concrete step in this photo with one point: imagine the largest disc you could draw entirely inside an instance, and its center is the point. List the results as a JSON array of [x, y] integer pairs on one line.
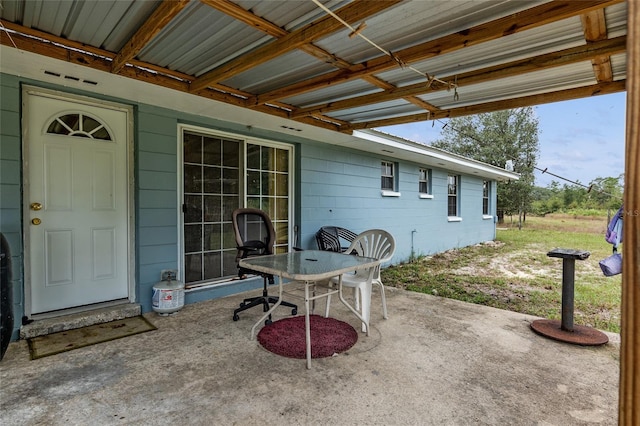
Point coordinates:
[[77, 320]]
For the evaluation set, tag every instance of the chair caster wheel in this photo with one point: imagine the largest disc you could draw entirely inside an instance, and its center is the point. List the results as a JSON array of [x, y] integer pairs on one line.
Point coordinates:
[[267, 322], [294, 311], [236, 317]]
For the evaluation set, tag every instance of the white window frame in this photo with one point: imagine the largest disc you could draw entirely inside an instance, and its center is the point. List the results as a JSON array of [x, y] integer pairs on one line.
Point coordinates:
[[486, 200], [393, 192], [456, 196], [243, 193], [424, 176]]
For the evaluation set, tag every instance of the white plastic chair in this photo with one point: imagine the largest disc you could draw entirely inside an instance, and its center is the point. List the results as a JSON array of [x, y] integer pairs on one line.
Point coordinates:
[[375, 243]]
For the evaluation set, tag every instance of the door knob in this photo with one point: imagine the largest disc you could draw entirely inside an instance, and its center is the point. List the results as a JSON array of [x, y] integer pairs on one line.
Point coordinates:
[[36, 221], [36, 206]]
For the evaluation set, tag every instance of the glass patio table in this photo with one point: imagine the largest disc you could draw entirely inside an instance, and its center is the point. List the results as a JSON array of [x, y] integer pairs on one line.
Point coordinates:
[[309, 267]]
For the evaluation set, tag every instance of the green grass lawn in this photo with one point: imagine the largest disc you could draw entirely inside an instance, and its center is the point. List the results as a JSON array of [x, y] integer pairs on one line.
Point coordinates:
[[515, 273]]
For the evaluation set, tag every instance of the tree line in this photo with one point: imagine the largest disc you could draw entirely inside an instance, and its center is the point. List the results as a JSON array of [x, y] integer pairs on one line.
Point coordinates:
[[511, 137], [600, 194]]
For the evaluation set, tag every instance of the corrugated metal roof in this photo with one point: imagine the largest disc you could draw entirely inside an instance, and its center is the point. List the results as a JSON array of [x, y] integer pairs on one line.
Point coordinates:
[[538, 41], [272, 74], [426, 19], [333, 93], [107, 24], [395, 108], [619, 66], [574, 75], [200, 39], [289, 15]]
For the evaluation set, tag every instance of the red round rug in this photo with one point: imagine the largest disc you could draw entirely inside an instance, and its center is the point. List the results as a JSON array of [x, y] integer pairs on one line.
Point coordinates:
[[286, 337]]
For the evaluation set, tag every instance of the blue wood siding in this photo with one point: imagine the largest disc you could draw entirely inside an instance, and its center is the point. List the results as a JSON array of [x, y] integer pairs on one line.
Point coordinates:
[[342, 187], [10, 187], [333, 186], [156, 198]]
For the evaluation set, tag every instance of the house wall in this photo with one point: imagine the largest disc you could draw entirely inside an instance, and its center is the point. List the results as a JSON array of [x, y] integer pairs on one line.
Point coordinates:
[[10, 186], [333, 186], [342, 187]]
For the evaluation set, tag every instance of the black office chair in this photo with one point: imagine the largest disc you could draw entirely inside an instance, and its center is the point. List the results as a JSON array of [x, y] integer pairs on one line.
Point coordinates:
[[255, 236], [334, 238]]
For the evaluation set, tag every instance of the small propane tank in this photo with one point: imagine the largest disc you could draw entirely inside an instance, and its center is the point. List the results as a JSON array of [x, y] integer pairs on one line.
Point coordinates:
[[168, 294]]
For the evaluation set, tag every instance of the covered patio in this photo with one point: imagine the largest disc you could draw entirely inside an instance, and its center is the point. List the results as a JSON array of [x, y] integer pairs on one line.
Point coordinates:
[[292, 71], [435, 361]]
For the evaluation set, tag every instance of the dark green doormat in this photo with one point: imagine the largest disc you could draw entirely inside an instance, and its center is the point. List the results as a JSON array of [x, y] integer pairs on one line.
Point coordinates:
[[64, 341]]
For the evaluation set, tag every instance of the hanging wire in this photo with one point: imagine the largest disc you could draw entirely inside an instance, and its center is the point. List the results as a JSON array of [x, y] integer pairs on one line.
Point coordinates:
[[589, 188], [357, 32], [6, 30]]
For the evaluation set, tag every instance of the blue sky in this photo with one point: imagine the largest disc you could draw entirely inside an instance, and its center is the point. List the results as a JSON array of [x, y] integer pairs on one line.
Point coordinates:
[[580, 140]]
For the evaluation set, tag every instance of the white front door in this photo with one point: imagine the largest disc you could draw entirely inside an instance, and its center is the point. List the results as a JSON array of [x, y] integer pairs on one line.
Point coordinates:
[[76, 202]]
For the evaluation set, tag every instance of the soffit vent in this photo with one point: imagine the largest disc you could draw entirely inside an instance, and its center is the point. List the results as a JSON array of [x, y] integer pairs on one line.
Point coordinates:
[[70, 77]]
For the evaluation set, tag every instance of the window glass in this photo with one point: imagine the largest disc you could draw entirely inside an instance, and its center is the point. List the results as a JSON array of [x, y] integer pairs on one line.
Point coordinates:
[[192, 148], [71, 122], [273, 187], [452, 191], [230, 181], [485, 197], [253, 157], [78, 125], [424, 181], [282, 160], [230, 155], [213, 237], [211, 151], [387, 174], [211, 192], [215, 182]]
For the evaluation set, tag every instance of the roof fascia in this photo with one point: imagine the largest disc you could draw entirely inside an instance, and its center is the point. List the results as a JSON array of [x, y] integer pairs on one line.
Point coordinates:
[[459, 162]]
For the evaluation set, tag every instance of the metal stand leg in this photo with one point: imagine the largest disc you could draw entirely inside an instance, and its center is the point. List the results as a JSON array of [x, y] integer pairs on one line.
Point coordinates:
[[564, 330], [568, 271]]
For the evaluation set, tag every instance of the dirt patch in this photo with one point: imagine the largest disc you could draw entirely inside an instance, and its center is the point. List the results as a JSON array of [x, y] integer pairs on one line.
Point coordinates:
[[486, 263], [523, 280]]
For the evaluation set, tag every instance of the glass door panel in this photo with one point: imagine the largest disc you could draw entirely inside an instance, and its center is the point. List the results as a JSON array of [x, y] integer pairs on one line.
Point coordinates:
[[211, 192], [213, 187]]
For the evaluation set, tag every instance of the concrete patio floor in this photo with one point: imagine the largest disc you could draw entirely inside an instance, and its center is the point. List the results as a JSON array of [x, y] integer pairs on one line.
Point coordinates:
[[435, 361]]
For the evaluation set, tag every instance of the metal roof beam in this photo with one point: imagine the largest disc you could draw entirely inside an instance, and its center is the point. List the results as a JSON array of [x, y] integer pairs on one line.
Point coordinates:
[[160, 17], [527, 19], [231, 9], [510, 69], [237, 12], [35, 41], [353, 12], [604, 88]]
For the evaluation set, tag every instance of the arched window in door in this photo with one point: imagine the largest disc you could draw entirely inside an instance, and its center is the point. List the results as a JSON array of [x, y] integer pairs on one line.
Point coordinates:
[[79, 125]]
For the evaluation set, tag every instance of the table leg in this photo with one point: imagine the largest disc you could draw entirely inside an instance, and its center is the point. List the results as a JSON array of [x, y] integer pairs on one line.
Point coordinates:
[[307, 326], [273, 308]]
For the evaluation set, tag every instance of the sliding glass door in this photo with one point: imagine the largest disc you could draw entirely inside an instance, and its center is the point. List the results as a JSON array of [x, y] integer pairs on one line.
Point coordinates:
[[219, 175]]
